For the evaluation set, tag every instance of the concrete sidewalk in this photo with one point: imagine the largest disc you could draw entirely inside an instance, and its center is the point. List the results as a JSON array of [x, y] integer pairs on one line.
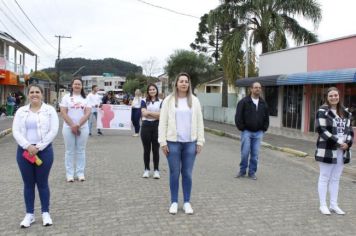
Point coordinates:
[[5, 125], [285, 140]]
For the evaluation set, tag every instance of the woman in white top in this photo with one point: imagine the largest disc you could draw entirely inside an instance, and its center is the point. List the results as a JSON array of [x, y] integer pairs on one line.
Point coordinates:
[[34, 128], [75, 111], [333, 124], [181, 136], [136, 112], [150, 108]]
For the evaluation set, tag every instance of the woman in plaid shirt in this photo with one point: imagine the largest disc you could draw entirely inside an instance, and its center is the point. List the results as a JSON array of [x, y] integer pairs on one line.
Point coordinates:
[[333, 124]]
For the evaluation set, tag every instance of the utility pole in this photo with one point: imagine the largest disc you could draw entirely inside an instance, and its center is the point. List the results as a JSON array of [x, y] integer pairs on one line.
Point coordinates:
[[57, 62]]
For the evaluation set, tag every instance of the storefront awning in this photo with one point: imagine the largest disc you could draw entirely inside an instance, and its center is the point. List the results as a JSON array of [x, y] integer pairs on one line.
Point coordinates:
[[319, 77], [270, 80]]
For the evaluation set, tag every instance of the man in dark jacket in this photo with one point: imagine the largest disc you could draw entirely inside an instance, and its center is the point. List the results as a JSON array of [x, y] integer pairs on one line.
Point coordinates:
[[252, 119]]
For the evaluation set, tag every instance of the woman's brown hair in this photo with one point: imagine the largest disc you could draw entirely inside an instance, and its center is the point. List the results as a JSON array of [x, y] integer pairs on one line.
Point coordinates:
[[339, 106]]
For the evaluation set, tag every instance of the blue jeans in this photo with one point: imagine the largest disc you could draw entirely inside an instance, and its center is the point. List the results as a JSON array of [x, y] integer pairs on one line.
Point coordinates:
[[250, 146], [181, 159], [135, 118], [75, 149], [33, 175], [91, 120]]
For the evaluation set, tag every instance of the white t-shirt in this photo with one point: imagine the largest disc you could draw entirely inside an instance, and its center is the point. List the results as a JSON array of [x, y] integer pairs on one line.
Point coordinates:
[[151, 106], [76, 105], [340, 123], [136, 102], [255, 101], [31, 128], [94, 100], [183, 121]]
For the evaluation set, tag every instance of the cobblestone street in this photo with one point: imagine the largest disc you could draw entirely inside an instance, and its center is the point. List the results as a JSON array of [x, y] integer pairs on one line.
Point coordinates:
[[115, 200]]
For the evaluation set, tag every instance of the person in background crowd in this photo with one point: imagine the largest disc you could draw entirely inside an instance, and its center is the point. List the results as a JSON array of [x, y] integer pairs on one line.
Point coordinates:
[[109, 98], [252, 119], [34, 128], [94, 100], [136, 112], [181, 136], [75, 111], [10, 104], [333, 124], [150, 108]]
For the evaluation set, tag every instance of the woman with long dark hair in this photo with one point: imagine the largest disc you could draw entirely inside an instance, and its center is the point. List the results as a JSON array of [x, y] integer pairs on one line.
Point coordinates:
[[150, 108], [333, 124], [75, 111]]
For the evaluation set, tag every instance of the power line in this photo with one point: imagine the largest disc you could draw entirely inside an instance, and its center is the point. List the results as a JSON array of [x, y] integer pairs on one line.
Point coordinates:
[[28, 18], [167, 9], [18, 22], [7, 29], [15, 24]]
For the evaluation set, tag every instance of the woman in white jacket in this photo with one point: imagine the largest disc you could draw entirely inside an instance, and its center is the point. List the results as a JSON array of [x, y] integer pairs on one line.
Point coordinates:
[[181, 137], [34, 128]]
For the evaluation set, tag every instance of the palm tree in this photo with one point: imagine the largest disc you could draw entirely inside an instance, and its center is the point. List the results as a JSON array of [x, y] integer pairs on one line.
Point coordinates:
[[271, 21]]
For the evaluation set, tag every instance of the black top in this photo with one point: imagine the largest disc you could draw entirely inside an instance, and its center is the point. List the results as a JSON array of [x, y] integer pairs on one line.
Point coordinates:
[[249, 118]]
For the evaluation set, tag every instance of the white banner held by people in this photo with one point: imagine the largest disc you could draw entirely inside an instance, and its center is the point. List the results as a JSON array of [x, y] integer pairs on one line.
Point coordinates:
[[114, 117]]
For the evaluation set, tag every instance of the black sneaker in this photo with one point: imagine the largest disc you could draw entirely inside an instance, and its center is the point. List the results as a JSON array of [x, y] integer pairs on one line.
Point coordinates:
[[240, 175], [100, 133], [89, 134]]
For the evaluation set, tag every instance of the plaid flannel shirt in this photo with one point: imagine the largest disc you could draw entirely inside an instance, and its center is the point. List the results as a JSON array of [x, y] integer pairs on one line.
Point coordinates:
[[327, 143]]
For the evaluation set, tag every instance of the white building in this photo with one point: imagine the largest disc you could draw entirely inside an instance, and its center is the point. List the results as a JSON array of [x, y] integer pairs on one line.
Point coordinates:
[[104, 83]]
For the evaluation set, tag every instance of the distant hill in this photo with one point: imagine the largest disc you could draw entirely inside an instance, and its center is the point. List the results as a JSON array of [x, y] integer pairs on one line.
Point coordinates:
[[96, 67]]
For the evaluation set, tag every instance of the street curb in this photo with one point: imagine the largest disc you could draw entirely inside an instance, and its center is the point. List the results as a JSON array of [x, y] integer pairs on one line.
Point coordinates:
[[264, 144], [5, 132]]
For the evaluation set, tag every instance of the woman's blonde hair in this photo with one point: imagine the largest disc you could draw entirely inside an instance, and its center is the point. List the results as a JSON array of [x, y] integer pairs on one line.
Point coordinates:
[[138, 92], [189, 92]]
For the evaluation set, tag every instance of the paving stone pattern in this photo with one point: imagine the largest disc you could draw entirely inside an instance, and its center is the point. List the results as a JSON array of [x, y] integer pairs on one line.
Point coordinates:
[[115, 200]]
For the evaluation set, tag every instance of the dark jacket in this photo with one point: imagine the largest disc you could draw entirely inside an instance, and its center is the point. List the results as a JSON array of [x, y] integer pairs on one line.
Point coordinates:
[[327, 143], [248, 118]]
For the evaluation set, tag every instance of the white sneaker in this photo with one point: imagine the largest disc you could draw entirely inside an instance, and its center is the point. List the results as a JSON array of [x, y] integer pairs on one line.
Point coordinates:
[[70, 179], [337, 210], [173, 209], [27, 221], [81, 178], [46, 219], [188, 208], [135, 135], [324, 210], [156, 174], [146, 174]]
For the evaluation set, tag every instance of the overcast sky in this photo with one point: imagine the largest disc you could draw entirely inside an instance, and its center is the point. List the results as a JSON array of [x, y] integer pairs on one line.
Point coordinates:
[[130, 30]]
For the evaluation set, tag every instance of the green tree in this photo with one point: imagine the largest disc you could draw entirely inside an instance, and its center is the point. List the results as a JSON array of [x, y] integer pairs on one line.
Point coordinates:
[[208, 39], [232, 35], [138, 81], [131, 85], [198, 66], [271, 21], [268, 21], [40, 75]]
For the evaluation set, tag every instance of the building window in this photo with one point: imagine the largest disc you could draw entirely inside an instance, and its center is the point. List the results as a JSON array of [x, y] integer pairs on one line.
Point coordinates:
[[350, 100], [271, 96]]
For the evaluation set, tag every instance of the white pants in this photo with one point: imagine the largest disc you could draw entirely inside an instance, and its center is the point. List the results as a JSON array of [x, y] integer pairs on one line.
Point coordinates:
[[330, 175]]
